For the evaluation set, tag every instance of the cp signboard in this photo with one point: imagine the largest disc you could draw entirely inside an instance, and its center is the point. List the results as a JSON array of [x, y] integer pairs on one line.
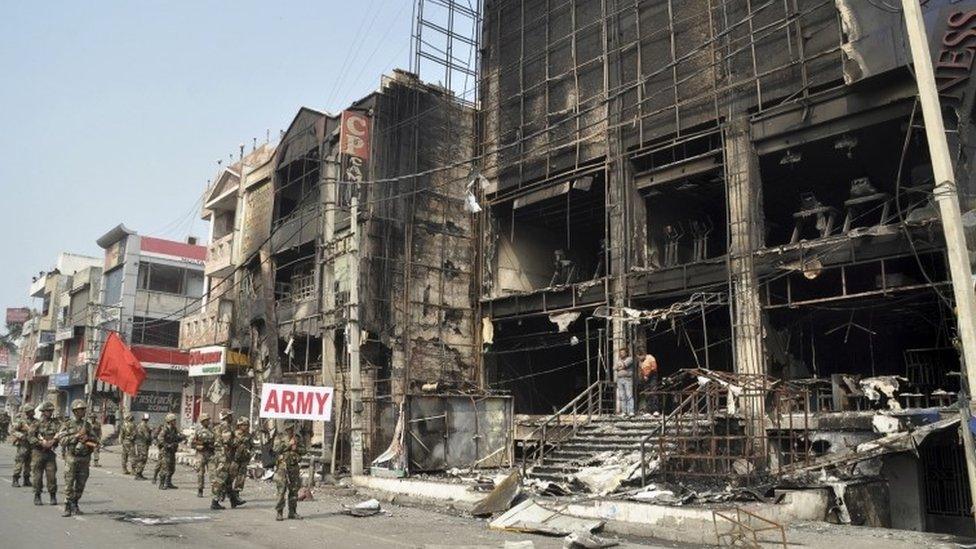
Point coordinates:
[[208, 361], [280, 401]]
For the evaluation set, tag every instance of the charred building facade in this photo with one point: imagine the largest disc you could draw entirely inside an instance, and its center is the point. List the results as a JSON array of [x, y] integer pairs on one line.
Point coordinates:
[[733, 187], [358, 249]]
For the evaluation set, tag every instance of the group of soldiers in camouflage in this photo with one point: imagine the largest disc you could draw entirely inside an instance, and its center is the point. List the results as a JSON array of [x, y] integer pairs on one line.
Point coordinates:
[[224, 450], [37, 441]]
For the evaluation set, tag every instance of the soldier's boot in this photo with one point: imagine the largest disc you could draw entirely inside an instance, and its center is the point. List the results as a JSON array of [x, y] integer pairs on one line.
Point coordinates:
[[16, 483], [95, 464], [27, 481], [280, 516], [293, 512], [199, 492], [125, 470], [235, 500], [215, 505], [74, 506], [54, 498], [68, 509], [156, 476], [139, 476], [162, 483], [37, 498], [169, 482]]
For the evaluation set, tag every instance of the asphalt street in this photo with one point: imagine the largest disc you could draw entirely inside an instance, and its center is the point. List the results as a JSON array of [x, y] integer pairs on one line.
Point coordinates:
[[121, 512]]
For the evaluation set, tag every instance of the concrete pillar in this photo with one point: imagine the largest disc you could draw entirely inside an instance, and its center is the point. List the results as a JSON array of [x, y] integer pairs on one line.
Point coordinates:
[[746, 235]]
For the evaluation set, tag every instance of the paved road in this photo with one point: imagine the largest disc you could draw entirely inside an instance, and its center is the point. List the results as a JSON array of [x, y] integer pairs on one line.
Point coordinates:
[[112, 501]]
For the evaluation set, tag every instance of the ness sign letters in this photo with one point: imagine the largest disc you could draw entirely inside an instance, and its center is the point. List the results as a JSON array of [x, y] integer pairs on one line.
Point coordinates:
[[296, 402]]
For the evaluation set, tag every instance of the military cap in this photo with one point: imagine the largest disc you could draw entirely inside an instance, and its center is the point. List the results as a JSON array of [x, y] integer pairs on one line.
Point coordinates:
[[204, 417], [128, 415], [47, 406], [78, 404], [289, 424], [170, 417], [26, 409], [225, 413], [243, 421]]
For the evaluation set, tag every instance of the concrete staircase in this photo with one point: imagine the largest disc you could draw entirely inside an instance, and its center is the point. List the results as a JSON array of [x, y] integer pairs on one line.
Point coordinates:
[[612, 439]]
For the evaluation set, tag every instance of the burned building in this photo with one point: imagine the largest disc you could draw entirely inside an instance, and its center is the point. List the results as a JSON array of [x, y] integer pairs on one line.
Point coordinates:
[[396, 275], [730, 186]]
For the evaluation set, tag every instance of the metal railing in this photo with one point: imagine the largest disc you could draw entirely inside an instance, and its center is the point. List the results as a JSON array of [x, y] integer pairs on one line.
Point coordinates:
[[577, 413], [679, 410]]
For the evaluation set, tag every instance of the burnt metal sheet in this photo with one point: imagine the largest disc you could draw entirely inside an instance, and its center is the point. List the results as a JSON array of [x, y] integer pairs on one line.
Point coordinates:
[[447, 431]]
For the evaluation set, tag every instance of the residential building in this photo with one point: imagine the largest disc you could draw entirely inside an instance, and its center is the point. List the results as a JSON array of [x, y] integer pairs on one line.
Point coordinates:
[[75, 332], [217, 336], [40, 358], [148, 284]]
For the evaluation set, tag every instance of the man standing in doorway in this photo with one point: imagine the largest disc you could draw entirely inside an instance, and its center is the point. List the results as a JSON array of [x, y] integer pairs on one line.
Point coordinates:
[[648, 380], [623, 372]]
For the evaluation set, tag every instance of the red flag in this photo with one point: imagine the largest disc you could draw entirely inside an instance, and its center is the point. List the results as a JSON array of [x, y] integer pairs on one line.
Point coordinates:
[[119, 367]]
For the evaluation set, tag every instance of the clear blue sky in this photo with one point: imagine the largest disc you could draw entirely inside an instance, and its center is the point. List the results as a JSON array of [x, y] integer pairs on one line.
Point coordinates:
[[117, 111]]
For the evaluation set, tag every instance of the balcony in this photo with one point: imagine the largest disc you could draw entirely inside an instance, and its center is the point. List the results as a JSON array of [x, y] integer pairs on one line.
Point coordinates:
[[220, 256], [211, 326]]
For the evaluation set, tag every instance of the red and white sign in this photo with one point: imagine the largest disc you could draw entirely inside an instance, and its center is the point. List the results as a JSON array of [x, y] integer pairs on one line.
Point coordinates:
[[161, 359], [170, 249], [280, 401], [208, 361], [354, 134]]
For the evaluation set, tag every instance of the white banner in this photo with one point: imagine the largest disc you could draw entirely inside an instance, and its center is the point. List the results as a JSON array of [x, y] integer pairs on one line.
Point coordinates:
[[280, 401], [208, 361]]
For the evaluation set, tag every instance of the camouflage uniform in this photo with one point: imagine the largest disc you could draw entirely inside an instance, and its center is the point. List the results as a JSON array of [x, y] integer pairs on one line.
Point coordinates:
[[21, 428], [289, 447], [224, 444], [168, 440], [96, 433], [140, 440], [127, 438], [4, 425], [79, 444], [243, 452], [203, 443], [43, 439], [159, 452]]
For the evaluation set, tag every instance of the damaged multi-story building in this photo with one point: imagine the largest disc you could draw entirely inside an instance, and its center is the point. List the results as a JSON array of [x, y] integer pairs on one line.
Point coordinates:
[[744, 191], [362, 231]]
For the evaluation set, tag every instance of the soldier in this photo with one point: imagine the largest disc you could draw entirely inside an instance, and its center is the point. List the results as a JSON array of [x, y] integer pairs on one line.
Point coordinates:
[[96, 433], [22, 462], [224, 444], [159, 451], [4, 424], [127, 434], [289, 447], [43, 438], [79, 444], [168, 440], [203, 443], [141, 439], [243, 452]]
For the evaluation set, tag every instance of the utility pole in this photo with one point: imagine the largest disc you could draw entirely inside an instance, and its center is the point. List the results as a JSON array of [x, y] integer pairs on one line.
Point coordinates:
[[327, 292], [355, 375], [948, 200]]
